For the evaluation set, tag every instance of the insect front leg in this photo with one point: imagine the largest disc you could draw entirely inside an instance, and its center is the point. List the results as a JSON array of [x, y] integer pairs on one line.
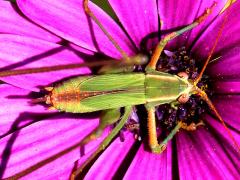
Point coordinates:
[[158, 50], [107, 118], [152, 132]]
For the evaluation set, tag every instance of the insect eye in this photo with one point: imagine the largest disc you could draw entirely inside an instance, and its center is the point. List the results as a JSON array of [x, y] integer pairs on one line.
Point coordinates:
[[183, 98], [183, 75]]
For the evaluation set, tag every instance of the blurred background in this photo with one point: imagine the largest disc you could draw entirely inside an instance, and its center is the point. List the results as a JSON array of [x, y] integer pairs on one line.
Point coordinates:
[[106, 7]]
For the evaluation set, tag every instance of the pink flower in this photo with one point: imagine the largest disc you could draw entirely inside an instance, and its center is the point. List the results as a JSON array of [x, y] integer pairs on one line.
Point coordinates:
[[40, 144]]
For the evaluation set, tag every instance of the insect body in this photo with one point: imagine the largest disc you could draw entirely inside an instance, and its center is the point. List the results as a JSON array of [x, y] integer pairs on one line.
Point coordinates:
[[110, 92], [94, 93]]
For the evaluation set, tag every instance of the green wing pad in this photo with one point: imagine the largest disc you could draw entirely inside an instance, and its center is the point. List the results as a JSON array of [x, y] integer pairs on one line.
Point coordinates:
[[93, 93]]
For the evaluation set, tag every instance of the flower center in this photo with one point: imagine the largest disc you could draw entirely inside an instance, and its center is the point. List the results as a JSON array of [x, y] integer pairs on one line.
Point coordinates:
[[191, 111]]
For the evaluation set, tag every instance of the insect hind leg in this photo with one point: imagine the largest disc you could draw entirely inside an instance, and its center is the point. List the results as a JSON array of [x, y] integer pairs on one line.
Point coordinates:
[[107, 118], [160, 46]]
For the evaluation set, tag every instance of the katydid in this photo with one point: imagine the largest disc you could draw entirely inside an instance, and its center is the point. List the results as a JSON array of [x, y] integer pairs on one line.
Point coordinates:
[[124, 89]]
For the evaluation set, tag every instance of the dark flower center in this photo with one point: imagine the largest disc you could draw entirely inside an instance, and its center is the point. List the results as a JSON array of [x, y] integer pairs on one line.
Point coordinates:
[[191, 111]]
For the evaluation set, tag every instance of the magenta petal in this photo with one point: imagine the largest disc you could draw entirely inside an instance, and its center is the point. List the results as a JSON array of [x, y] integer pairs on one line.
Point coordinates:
[[227, 66], [152, 166], [139, 18], [19, 51], [62, 167], [16, 111], [227, 87], [69, 21], [108, 163], [203, 156], [179, 13], [13, 23], [228, 107], [227, 139], [43, 140], [227, 48]]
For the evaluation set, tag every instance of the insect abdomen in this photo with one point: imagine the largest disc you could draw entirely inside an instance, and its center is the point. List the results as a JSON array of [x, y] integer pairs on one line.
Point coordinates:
[[93, 93]]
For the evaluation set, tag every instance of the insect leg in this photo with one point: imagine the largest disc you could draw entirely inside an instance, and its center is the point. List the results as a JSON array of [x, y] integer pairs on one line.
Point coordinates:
[[139, 59], [95, 19], [105, 142], [107, 118], [192, 126], [158, 50], [152, 131]]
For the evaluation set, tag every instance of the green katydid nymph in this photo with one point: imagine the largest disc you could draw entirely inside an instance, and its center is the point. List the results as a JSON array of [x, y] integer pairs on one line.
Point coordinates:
[[123, 89]]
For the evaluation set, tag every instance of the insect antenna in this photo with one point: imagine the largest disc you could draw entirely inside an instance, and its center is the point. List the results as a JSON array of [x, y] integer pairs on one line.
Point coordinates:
[[200, 92], [204, 96]]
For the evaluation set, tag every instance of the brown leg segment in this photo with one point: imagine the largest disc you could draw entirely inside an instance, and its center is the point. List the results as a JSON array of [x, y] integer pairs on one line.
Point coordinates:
[[152, 132], [157, 52], [192, 126]]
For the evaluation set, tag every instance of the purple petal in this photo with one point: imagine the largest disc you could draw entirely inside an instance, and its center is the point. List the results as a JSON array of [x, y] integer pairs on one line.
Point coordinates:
[[176, 14], [44, 140], [202, 155], [227, 87], [227, 139], [19, 51], [228, 107], [108, 163], [152, 166], [227, 66], [227, 48], [12, 22], [139, 18], [69, 21], [16, 111]]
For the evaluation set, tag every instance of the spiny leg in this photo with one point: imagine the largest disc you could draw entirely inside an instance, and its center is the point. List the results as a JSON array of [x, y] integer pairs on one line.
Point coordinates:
[[105, 142], [152, 132], [107, 118], [90, 13], [158, 50]]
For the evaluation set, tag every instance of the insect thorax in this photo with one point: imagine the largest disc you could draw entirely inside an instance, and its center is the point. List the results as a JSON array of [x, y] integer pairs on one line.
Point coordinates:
[[164, 87]]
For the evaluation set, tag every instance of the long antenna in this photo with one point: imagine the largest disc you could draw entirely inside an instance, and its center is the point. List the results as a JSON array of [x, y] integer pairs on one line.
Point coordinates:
[[196, 81], [212, 107]]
